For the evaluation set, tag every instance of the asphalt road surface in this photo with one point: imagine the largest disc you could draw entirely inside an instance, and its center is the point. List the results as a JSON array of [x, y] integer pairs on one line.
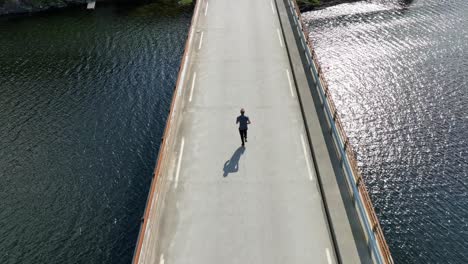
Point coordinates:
[[219, 202]]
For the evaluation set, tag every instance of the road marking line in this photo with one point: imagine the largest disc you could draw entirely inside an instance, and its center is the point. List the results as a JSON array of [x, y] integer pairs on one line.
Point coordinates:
[[161, 259], [329, 258], [193, 85], [272, 7], [191, 35], [148, 231], [182, 76], [279, 37], [290, 83], [201, 41], [306, 157], [179, 162], [206, 8]]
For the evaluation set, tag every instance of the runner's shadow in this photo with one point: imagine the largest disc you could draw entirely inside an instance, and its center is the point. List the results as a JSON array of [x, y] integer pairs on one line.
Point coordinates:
[[232, 165]]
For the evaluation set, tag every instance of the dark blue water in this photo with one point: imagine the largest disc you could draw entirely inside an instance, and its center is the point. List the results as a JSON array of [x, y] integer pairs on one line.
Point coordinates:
[[399, 77], [83, 101]]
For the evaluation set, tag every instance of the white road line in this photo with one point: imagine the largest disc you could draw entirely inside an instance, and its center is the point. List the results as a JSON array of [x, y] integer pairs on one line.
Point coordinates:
[[272, 7], [279, 37], [193, 85], [147, 231], [191, 35], [184, 68], [329, 258], [206, 8], [161, 259], [201, 41], [309, 170], [182, 76], [290, 83], [179, 162]]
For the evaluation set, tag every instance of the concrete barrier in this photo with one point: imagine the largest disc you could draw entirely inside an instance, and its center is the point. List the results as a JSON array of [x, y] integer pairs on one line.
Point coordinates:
[[170, 132]]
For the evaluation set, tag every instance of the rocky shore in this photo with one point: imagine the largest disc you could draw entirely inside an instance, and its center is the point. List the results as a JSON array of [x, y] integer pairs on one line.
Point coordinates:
[[308, 5], [28, 6]]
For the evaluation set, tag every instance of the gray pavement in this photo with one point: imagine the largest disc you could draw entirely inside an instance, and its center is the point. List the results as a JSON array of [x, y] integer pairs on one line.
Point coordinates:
[[217, 202]]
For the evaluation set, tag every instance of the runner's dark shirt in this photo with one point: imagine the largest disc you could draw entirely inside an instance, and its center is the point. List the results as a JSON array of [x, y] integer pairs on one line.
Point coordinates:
[[242, 120]]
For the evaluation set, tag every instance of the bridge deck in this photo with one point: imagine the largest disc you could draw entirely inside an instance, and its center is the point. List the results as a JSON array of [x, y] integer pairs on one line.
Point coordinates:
[[218, 202]]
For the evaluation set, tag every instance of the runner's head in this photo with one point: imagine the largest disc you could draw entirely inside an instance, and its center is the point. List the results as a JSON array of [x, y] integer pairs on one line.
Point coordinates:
[[242, 111]]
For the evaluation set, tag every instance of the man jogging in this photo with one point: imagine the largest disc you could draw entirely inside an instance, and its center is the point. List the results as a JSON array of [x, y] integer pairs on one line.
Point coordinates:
[[243, 121]]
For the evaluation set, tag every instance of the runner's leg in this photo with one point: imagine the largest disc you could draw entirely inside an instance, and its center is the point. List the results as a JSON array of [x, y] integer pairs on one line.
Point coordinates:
[[241, 132]]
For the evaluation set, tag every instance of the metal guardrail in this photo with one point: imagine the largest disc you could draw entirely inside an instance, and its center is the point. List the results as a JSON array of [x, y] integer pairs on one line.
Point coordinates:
[[376, 239]]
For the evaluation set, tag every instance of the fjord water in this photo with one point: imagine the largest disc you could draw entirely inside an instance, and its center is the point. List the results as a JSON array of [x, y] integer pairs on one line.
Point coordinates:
[[83, 101], [399, 77]]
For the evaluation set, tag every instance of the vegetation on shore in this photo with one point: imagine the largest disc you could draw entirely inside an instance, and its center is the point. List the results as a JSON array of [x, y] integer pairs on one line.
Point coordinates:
[[185, 2], [308, 3]]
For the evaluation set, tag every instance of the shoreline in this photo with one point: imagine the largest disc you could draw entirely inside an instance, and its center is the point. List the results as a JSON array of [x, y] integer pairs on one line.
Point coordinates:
[[303, 7], [26, 7], [18, 7]]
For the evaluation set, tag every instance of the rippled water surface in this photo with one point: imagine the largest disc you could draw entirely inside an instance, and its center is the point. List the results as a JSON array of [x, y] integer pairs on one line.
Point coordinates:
[[399, 76], [83, 102]]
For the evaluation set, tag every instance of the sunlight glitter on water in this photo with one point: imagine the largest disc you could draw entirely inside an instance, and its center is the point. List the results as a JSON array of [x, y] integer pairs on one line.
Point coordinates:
[[399, 77]]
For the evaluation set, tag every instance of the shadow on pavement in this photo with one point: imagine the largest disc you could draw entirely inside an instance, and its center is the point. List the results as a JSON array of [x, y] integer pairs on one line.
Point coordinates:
[[232, 165]]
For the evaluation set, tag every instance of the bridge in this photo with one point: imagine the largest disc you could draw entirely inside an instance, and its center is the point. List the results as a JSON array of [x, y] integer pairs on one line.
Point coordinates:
[[293, 194]]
